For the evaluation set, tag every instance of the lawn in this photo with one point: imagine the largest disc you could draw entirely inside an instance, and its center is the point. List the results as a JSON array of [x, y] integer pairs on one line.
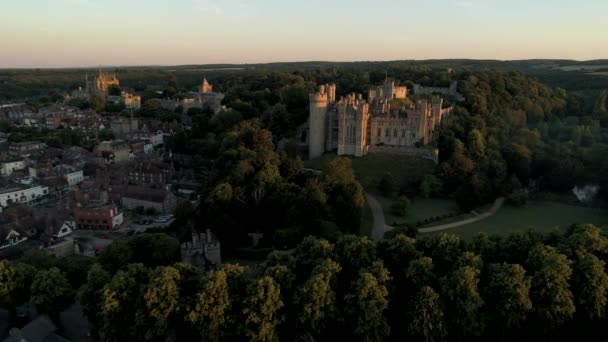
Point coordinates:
[[370, 168], [420, 209], [542, 216]]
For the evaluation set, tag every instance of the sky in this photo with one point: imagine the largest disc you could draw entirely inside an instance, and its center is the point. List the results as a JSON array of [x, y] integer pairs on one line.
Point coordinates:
[[73, 33]]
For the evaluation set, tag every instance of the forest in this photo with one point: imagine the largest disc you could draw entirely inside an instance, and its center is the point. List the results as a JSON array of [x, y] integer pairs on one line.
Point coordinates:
[[526, 286]]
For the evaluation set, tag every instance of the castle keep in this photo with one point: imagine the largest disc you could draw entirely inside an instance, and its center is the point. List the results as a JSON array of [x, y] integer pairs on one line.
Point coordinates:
[[352, 125]]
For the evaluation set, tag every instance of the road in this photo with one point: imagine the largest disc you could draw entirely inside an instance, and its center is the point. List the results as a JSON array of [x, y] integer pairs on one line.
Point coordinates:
[[497, 205], [379, 227]]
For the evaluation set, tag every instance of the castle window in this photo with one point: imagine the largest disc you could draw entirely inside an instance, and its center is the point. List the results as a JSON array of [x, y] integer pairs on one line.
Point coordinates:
[[386, 133], [395, 133], [403, 133], [379, 132]]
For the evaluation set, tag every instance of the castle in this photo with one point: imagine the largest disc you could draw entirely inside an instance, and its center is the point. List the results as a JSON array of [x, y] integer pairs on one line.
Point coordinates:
[[100, 83], [202, 251], [387, 119]]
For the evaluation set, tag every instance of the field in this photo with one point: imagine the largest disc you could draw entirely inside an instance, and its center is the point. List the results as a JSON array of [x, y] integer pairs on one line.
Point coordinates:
[[420, 209], [540, 216], [370, 168]]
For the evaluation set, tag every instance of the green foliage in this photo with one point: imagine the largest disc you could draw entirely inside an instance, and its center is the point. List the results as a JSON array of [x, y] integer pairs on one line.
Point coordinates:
[[105, 135], [430, 186], [386, 186], [51, 292], [400, 206]]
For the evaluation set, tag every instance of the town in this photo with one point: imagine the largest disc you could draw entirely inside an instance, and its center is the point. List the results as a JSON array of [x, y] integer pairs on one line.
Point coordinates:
[[68, 200]]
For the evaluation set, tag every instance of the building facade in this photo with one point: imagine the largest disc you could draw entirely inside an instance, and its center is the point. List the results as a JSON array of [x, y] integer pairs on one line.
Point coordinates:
[[352, 124], [97, 218], [99, 84], [138, 196], [8, 167], [202, 251], [22, 195]]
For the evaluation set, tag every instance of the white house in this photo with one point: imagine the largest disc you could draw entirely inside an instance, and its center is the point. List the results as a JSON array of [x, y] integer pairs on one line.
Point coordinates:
[[148, 148], [117, 220], [22, 195], [11, 239], [73, 177], [66, 229], [7, 168]]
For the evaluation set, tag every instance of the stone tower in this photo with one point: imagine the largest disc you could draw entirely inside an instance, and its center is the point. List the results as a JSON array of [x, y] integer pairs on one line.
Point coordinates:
[[318, 121], [353, 117]]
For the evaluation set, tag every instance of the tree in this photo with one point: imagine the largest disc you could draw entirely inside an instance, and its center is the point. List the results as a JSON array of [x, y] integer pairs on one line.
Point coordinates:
[[590, 286], [463, 302], [316, 300], [386, 186], [400, 206], [208, 315], [98, 102], [366, 304], [550, 291], [427, 316], [117, 255], [158, 319], [90, 295], [430, 186], [105, 135], [508, 294], [311, 252], [120, 298], [51, 292], [151, 108], [262, 307], [154, 250], [114, 90], [15, 281]]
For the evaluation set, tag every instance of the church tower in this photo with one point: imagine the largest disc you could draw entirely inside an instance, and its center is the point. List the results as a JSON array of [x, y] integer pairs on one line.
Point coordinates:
[[206, 87], [317, 122]]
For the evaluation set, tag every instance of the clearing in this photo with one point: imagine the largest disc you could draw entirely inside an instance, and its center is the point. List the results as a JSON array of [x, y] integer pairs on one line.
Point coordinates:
[[541, 216]]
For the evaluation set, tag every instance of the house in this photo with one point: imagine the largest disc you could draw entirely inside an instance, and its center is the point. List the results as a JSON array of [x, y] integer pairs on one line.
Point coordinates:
[[27, 195], [73, 176], [119, 148], [151, 173], [7, 167], [10, 237], [137, 196], [104, 217], [27, 147]]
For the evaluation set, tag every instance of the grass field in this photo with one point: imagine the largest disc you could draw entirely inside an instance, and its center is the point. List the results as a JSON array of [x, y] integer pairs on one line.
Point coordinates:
[[420, 209], [540, 216], [370, 168]]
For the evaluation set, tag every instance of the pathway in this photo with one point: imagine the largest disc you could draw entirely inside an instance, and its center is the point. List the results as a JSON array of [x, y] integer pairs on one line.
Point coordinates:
[[379, 227], [497, 205]]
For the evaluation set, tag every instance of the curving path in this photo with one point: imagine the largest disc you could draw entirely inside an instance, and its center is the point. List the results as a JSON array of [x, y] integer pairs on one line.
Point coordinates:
[[379, 227], [497, 205]]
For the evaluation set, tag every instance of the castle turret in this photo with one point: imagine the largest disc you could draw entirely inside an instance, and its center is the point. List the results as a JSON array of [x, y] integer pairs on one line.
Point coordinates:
[[317, 123]]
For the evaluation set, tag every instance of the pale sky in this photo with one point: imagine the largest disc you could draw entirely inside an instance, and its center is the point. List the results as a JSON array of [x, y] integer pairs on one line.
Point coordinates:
[[58, 33]]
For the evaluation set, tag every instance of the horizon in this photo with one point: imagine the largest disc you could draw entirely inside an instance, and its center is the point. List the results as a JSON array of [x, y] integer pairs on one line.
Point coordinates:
[[228, 65], [93, 33]]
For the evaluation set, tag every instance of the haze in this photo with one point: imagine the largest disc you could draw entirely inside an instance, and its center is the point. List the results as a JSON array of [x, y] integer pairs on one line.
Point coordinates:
[[70, 33]]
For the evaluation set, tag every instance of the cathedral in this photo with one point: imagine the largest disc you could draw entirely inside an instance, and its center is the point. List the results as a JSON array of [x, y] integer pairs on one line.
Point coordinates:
[[388, 119], [100, 83]]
